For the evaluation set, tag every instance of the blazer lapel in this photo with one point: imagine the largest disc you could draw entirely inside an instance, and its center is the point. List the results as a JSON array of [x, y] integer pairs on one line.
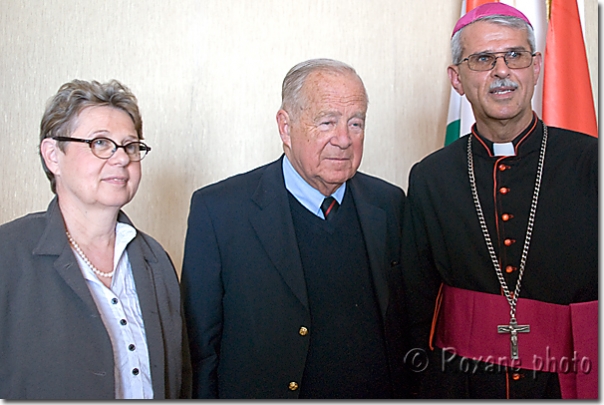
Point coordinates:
[[53, 242], [275, 228], [373, 223], [142, 261]]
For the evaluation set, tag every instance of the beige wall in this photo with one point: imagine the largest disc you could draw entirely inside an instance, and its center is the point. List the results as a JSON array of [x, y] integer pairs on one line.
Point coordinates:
[[208, 74]]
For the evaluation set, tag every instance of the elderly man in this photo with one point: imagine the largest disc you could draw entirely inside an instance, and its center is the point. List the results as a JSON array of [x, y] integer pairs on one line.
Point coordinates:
[[502, 245], [291, 274]]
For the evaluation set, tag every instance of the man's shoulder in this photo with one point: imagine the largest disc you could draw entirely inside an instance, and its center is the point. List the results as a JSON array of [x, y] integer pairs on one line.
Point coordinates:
[[369, 181], [575, 151], [376, 191], [567, 137], [442, 161], [238, 184]]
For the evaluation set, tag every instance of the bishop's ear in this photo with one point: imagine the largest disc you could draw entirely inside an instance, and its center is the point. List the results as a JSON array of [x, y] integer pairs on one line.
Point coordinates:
[[453, 72]]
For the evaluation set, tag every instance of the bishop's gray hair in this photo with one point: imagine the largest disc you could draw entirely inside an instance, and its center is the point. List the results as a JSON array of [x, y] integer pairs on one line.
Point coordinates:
[[505, 20]]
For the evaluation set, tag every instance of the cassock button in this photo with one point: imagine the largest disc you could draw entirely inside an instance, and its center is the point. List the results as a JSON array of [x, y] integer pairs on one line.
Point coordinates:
[[509, 269], [503, 167], [517, 376], [506, 217], [303, 331], [504, 190], [509, 242], [293, 386]]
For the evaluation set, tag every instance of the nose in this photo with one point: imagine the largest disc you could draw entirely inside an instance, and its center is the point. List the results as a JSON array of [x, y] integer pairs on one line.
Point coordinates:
[[120, 157], [342, 138], [501, 68]]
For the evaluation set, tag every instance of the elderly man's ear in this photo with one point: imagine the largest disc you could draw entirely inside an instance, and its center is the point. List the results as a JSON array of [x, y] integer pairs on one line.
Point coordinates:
[[283, 122]]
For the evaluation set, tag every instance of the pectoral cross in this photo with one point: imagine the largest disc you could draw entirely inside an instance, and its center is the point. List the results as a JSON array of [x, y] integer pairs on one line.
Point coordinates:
[[513, 329]]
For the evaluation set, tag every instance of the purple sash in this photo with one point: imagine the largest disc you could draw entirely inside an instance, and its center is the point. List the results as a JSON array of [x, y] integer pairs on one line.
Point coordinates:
[[562, 338]]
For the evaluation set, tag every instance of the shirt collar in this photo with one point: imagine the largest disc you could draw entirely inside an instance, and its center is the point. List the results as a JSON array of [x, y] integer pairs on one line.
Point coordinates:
[[308, 196], [124, 234], [505, 149]]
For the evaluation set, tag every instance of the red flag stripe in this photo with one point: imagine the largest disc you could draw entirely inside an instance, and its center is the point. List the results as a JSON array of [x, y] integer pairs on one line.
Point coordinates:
[[567, 97]]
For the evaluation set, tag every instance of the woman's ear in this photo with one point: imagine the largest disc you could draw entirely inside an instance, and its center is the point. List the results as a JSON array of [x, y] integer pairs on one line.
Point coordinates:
[[49, 149]]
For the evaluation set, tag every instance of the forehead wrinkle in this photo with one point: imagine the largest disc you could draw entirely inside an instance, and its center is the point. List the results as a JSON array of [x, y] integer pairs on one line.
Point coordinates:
[[328, 113], [506, 49], [337, 114], [351, 95], [332, 104], [314, 86], [495, 34]]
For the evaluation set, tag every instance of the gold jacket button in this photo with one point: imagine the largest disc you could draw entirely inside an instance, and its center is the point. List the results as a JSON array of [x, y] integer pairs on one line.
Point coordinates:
[[293, 386], [303, 331]]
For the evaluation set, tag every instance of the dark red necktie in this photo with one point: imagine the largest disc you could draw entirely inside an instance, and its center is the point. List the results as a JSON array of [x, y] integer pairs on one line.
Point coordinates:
[[329, 207]]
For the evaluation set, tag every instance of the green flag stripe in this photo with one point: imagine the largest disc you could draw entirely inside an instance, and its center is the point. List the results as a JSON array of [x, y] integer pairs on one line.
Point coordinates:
[[452, 131]]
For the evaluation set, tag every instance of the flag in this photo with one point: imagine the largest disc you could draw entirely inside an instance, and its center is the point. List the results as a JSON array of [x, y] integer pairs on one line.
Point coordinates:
[[568, 100], [461, 118]]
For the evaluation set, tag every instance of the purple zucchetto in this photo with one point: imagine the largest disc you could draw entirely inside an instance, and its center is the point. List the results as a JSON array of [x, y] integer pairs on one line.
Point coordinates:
[[486, 10]]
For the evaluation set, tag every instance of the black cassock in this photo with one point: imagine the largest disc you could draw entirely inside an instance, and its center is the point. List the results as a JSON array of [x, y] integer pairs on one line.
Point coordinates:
[[444, 244]]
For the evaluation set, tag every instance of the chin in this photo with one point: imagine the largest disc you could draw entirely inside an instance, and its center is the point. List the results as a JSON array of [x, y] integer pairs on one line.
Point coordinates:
[[116, 201], [341, 178]]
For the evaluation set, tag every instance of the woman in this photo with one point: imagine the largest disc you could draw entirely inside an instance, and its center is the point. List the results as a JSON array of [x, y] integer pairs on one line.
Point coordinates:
[[89, 305]]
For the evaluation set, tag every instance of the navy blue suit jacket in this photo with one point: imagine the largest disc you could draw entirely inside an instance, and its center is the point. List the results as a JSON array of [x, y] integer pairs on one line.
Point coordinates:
[[244, 289]]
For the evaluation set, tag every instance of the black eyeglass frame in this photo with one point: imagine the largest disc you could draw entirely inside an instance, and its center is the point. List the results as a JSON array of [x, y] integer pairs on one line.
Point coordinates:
[[494, 54], [143, 147]]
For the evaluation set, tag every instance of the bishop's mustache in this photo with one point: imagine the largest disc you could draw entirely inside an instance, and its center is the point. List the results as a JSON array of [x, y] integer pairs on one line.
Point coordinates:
[[503, 83]]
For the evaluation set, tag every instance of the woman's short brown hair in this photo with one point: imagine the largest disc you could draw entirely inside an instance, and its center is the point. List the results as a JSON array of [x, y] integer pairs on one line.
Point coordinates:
[[73, 97]]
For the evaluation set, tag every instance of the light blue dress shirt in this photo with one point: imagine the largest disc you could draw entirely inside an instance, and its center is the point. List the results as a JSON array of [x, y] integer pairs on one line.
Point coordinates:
[[308, 196]]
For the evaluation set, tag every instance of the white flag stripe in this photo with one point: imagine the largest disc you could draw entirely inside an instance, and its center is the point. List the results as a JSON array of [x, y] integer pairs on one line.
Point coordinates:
[[459, 107]]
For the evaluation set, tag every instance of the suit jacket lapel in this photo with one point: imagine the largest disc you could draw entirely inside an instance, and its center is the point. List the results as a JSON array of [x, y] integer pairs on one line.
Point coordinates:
[[374, 225], [275, 228], [142, 261], [53, 242]]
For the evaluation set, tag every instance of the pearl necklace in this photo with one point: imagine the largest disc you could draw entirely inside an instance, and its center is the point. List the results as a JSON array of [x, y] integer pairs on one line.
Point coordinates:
[[85, 259]]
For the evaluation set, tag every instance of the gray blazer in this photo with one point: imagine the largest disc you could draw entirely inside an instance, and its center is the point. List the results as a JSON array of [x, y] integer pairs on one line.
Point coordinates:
[[53, 343]]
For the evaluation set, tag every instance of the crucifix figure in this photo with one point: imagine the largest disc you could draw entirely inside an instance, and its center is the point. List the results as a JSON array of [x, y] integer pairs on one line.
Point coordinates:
[[513, 329]]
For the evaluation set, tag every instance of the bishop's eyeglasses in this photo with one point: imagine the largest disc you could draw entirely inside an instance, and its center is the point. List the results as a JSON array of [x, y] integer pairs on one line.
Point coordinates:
[[484, 61], [104, 148]]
